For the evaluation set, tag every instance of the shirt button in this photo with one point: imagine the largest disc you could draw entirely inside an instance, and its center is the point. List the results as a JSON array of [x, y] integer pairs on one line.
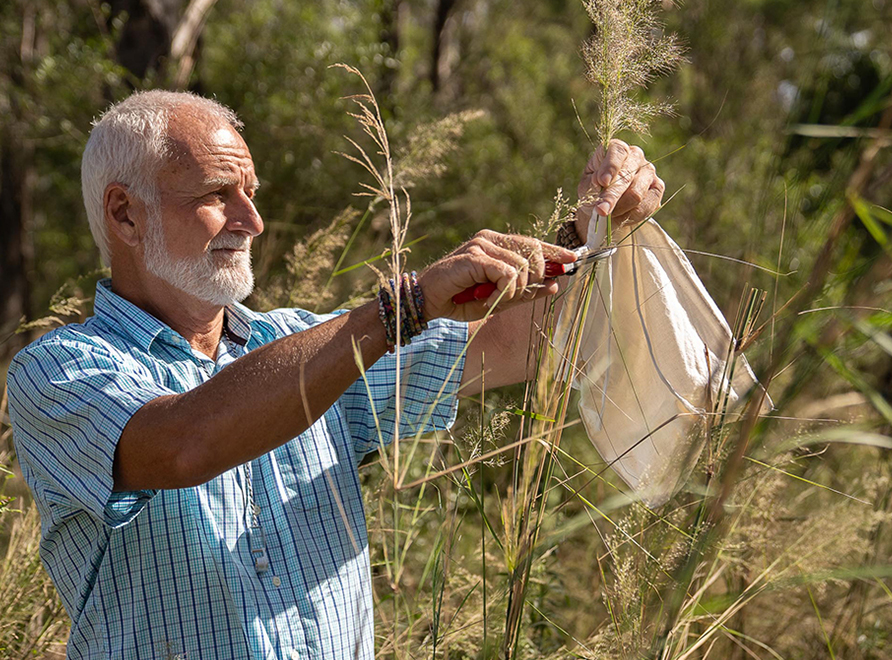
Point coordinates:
[[277, 582]]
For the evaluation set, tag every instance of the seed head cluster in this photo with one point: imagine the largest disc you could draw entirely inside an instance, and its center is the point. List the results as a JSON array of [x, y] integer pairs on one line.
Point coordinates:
[[627, 51]]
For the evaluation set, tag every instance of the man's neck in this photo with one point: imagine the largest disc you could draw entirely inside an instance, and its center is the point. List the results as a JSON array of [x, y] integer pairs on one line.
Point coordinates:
[[200, 323]]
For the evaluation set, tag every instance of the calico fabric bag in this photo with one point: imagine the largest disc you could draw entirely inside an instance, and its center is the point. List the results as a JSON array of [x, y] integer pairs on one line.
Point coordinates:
[[651, 362]]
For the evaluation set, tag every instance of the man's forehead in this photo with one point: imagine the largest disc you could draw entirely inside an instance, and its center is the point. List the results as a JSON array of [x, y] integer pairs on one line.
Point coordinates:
[[192, 136], [226, 136], [203, 143], [229, 178]]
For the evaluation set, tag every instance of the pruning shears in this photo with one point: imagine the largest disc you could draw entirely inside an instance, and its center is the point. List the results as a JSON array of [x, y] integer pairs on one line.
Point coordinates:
[[584, 256]]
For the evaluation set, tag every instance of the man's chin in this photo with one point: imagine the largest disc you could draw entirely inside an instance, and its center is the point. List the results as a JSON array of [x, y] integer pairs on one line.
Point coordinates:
[[232, 288], [214, 283], [220, 298], [218, 291]]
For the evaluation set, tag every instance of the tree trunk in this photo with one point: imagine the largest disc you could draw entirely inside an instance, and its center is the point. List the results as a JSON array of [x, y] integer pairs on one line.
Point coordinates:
[[186, 41], [146, 38], [155, 31], [390, 37], [15, 253], [161, 37], [16, 175], [444, 7]]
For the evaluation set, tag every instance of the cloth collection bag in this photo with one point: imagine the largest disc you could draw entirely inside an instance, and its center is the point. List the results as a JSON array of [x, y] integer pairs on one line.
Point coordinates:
[[643, 375]]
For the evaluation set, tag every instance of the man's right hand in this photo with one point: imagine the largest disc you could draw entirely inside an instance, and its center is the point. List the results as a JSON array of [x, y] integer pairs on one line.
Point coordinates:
[[514, 263]]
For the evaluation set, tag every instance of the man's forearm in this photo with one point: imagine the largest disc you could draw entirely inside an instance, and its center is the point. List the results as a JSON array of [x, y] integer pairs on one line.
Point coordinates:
[[251, 407], [505, 346]]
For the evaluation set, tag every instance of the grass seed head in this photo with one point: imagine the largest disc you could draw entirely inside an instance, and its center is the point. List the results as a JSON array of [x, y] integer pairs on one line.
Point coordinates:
[[627, 51]]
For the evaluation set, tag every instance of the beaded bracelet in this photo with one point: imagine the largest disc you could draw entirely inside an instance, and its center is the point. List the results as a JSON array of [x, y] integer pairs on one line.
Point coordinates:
[[418, 299], [411, 310], [386, 314], [567, 236], [406, 329], [415, 318], [413, 293]]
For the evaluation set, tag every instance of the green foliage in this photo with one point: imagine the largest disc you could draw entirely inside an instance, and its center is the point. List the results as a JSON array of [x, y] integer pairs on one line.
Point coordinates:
[[53, 82]]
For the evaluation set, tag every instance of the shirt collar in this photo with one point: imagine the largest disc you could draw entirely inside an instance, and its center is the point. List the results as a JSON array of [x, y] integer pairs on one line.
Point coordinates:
[[248, 325], [143, 329]]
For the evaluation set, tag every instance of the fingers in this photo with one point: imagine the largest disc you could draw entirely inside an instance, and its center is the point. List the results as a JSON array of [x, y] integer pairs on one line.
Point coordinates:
[[504, 249], [556, 253], [525, 258], [640, 183], [514, 264], [525, 255], [535, 264], [613, 161], [494, 268], [649, 204], [620, 182], [603, 167], [631, 168]]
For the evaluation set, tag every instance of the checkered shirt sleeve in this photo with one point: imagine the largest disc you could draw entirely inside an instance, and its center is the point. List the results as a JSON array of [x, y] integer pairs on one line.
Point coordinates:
[[70, 402]]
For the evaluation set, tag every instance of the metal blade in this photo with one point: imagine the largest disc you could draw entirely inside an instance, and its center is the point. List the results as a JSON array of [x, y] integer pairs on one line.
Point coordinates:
[[586, 256]]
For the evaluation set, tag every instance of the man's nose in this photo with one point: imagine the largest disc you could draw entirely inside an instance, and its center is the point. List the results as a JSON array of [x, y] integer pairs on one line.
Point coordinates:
[[242, 216]]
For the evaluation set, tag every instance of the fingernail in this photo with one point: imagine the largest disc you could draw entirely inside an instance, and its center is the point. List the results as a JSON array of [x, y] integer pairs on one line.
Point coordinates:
[[603, 208], [604, 179]]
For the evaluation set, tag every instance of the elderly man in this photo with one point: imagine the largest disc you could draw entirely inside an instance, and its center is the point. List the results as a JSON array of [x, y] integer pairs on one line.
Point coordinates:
[[194, 462]]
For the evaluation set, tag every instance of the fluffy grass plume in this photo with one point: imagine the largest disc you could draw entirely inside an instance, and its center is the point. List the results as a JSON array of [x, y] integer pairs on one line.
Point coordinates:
[[627, 51]]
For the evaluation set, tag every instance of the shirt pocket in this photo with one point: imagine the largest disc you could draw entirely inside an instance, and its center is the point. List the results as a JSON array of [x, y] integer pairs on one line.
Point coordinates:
[[309, 467]]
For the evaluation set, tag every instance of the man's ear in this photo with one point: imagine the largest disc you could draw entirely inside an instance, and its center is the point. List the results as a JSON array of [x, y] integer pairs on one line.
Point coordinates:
[[124, 214]]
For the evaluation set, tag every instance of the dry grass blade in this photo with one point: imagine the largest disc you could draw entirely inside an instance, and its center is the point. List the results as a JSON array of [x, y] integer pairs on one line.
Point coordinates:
[[372, 123]]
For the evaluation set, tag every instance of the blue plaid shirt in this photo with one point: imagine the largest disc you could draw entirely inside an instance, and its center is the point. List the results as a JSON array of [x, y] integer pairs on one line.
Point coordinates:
[[169, 574]]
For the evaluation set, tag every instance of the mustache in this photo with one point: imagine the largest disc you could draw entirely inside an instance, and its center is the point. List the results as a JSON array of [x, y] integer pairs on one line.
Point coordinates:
[[230, 242]]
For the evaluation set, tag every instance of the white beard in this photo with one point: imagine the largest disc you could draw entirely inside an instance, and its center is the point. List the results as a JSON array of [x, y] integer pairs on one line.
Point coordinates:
[[218, 278]]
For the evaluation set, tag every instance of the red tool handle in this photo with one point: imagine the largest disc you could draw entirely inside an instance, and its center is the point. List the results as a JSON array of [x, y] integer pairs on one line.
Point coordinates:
[[476, 292], [485, 290]]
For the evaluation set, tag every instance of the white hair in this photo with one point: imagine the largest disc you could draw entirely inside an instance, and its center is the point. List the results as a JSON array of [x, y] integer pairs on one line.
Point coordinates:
[[128, 145]]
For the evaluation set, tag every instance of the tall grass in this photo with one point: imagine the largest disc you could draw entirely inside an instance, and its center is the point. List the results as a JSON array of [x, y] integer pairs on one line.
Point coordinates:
[[552, 557], [777, 548]]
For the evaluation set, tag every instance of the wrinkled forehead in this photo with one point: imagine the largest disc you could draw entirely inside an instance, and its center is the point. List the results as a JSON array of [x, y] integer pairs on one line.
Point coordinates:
[[191, 132], [197, 140]]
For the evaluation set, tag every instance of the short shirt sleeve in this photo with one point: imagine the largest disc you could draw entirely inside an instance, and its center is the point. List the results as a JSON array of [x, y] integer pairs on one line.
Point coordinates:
[[431, 368], [69, 402]]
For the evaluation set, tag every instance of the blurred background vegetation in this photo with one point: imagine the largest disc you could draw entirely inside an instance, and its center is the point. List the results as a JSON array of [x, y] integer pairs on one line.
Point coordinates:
[[779, 153]]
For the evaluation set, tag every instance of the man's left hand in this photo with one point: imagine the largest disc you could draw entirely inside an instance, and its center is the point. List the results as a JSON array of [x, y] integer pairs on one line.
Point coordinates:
[[618, 182]]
